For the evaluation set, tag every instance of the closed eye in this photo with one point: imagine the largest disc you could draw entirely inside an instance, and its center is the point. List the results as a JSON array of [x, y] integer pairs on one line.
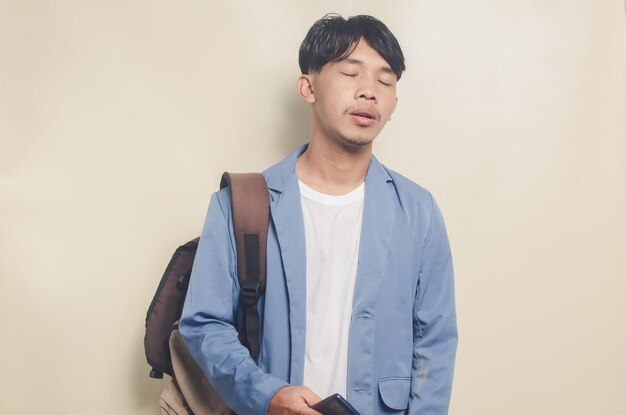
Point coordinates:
[[348, 74], [384, 83]]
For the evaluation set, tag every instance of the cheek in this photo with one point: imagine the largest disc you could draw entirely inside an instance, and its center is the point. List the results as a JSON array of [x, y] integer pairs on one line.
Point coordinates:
[[332, 108], [390, 107], [328, 113]]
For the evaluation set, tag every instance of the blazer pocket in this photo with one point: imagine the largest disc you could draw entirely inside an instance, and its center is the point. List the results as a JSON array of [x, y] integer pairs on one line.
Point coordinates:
[[395, 392]]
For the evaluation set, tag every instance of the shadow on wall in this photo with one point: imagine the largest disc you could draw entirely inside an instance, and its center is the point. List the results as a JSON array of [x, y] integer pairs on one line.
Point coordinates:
[[295, 128], [147, 390]]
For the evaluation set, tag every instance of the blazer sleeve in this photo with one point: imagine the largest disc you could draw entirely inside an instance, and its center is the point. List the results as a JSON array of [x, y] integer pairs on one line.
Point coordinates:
[[434, 320], [208, 321]]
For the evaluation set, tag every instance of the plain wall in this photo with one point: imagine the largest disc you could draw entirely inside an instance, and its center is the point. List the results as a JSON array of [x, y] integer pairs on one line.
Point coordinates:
[[118, 117]]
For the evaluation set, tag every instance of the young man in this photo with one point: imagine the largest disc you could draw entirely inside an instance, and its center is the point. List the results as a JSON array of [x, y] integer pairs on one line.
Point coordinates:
[[360, 292]]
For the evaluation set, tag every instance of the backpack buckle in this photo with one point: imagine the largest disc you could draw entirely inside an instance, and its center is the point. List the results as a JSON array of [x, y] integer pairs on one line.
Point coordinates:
[[250, 293]]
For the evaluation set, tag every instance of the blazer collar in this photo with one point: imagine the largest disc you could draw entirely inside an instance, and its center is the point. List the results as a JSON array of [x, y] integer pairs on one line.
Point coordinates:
[[279, 175]]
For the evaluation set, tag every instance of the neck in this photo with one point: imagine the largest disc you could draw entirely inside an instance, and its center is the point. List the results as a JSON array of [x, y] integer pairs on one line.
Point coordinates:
[[332, 169]]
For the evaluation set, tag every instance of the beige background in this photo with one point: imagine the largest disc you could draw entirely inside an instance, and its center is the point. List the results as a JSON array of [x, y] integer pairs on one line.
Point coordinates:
[[117, 118]]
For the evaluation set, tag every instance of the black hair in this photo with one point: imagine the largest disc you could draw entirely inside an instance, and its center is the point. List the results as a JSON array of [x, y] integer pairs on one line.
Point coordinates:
[[332, 38]]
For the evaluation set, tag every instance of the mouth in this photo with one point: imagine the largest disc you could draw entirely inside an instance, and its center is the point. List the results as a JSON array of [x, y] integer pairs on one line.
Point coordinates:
[[364, 116]]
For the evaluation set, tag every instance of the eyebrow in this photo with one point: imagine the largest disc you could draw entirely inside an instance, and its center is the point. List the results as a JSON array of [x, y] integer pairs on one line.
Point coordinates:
[[353, 61]]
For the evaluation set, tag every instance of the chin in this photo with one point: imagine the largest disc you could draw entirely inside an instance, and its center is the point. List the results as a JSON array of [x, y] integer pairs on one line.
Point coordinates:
[[358, 141]]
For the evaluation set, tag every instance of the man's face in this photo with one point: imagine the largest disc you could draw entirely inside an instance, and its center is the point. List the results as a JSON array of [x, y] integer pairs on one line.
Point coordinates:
[[354, 98]]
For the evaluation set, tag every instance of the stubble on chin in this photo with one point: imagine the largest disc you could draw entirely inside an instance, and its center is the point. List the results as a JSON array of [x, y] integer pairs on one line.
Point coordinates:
[[359, 142], [356, 143]]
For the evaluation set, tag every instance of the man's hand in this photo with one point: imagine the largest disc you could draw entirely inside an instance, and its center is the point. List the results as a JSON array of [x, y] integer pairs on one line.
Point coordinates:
[[293, 400]]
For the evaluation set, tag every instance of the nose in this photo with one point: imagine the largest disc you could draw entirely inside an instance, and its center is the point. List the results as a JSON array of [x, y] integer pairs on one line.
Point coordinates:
[[367, 89]]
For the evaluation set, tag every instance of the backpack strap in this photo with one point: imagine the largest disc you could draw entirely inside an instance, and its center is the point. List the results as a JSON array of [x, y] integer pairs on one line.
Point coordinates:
[[250, 201]]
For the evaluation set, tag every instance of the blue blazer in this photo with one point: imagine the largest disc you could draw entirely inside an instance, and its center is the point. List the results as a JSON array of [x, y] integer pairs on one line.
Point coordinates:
[[403, 335]]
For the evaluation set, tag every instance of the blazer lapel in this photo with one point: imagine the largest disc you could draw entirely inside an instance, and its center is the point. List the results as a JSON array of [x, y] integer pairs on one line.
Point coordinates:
[[286, 212], [376, 232]]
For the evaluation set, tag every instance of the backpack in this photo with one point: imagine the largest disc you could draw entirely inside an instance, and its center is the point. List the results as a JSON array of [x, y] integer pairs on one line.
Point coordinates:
[[189, 391]]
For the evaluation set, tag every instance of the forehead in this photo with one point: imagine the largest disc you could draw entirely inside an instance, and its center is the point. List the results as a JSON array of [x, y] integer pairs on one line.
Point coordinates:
[[363, 54]]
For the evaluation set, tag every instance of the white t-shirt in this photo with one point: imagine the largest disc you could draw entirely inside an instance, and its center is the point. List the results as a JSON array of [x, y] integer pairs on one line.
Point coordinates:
[[332, 227]]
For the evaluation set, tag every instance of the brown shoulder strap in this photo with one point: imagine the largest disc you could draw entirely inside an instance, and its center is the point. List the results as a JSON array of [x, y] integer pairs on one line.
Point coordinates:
[[250, 201]]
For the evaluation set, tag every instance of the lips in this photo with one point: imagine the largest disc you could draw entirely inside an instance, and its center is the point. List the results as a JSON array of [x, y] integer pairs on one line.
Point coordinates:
[[364, 116]]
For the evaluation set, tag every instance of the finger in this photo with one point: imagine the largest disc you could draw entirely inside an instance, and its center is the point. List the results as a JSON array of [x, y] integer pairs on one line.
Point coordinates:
[[310, 397]]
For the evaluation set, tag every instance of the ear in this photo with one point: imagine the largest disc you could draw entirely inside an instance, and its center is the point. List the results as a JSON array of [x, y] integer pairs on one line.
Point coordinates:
[[305, 88]]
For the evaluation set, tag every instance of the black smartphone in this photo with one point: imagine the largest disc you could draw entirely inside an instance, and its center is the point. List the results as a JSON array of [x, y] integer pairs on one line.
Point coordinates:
[[335, 405]]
